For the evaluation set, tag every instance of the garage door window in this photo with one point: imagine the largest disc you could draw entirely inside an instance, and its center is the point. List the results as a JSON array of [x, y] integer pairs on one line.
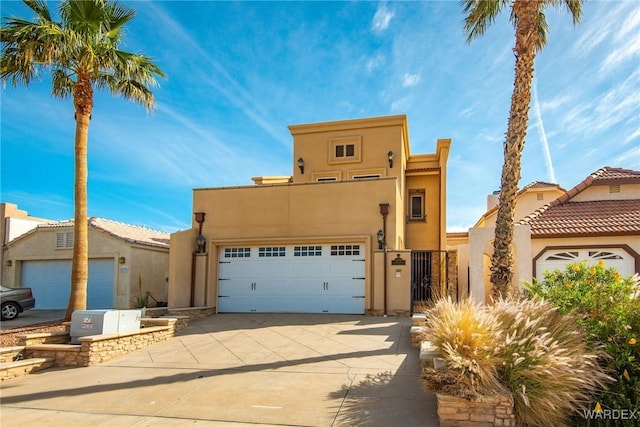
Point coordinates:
[[237, 252], [271, 251], [603, 255], [307, 251], [562, 256], [340, 250]]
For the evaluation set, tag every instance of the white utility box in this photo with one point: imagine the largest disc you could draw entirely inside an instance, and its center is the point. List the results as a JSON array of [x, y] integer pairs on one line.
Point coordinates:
[[99, 322]]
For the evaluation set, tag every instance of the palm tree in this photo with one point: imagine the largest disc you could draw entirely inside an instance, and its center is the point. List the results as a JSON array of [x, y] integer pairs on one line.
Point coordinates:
[[81, 52], [531, 28]]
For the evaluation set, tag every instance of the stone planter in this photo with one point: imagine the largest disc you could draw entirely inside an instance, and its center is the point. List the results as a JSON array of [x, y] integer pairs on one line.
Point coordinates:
[[482, 412]]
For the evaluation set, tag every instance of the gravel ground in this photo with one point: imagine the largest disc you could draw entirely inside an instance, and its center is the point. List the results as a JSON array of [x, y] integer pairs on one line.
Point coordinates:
[[9, 337]]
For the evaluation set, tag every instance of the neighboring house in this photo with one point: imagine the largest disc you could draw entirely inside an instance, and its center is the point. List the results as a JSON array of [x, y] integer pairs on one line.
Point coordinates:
[[15, 222], [121, 256], [314, 242], [598, 219]]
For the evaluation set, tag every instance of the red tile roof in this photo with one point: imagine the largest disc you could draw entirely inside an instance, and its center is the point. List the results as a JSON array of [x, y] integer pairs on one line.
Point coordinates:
[[596, 217], [563, 217]]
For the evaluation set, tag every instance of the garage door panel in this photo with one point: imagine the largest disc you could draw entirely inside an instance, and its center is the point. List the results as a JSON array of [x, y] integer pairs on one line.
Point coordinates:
[[51, 283], [558, 259], [296, 278]]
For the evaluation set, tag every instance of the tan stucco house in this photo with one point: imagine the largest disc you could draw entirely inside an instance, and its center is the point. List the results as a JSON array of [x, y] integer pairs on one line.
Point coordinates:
[[597, 220], [14, 222], [359, 216], [120, 257]]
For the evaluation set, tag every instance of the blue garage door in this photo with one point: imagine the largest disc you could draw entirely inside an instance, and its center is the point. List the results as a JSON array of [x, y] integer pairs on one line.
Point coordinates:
[[51, 282]]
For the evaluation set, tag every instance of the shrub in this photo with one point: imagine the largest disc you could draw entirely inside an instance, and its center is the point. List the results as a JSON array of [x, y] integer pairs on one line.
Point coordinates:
[[609, 310]]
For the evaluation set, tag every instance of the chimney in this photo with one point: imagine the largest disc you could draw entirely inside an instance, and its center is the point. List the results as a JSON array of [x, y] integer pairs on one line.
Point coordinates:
[[492, 199]]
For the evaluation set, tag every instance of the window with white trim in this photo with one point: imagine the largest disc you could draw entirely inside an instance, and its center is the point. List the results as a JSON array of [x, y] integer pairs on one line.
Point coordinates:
[[64, 240], [237, 252], [367, 176], [271, 251]]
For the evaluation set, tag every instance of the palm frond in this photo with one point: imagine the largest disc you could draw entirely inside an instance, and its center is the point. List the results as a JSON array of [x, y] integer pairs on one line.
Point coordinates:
[[479, 15]]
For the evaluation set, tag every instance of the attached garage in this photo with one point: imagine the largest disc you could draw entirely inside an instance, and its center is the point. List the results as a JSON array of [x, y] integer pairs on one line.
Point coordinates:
[[558, 259], [50, 282], [312, 278]]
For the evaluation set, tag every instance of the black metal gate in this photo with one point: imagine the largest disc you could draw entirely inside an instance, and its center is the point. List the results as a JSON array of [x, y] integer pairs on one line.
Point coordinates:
[[429, 276]]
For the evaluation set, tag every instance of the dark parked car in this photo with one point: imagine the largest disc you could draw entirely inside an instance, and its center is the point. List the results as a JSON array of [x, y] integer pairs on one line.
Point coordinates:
[[14, 301]]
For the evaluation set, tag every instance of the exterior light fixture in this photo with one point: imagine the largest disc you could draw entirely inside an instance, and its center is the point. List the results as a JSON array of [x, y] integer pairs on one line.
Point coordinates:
[[122, 260], [390, 157], [8, 263], [380, 239], [200, 240], [301, 165]]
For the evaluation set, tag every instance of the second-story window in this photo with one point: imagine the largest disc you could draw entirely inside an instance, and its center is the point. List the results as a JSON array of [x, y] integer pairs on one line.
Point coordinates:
[[345, 149], [416, 205]]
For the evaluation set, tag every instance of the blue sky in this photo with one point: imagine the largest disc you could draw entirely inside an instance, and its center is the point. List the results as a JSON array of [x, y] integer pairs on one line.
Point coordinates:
[[240, 72]]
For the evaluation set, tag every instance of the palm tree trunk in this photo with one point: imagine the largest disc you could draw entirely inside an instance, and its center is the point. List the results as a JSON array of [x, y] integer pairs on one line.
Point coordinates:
[[83, 101], [526, 13]]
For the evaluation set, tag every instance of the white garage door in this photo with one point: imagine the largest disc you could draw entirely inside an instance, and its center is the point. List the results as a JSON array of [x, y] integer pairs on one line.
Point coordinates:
[[51, 282], [292, 279], [558, 259]]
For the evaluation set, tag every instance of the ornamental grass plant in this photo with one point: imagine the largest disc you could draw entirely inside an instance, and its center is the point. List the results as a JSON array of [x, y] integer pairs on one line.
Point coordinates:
[[546, 362], [523, 347], [467, 337]]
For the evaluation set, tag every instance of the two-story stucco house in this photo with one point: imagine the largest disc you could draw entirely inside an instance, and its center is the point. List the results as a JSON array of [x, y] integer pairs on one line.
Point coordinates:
[[358, 222]]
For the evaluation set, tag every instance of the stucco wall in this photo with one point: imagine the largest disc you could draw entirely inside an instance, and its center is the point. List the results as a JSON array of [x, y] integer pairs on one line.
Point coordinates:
[[480, 251], [180, 260]]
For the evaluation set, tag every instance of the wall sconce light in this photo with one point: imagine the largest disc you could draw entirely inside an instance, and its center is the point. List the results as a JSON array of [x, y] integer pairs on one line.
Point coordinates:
[[200, 240], [390, 157], [301, 165], [201, 244], [8, 263], [380, 239], [122, 260]]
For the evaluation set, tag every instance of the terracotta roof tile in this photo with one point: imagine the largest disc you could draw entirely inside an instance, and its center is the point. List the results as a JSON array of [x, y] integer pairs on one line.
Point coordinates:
[[586, 218], [127, 232]]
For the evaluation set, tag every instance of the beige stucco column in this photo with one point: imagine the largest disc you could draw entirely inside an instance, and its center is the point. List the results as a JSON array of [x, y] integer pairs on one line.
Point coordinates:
[[480, 251]]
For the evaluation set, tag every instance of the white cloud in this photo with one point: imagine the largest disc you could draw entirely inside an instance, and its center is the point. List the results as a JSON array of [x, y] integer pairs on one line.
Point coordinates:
[[634, 135], [382, 18], [410, 80], [554, 103], [374, 62], [630, 156]]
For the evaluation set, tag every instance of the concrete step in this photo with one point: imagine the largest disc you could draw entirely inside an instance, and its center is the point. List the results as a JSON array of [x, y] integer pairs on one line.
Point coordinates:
[[22, 367]]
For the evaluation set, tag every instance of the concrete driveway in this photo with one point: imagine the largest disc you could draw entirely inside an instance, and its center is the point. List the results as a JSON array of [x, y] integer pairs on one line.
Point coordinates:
[[32, 317], [241, 369]]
